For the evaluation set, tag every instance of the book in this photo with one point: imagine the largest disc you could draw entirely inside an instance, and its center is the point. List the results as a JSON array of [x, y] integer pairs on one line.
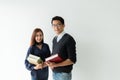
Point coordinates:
[[54, 58], [33, 59]]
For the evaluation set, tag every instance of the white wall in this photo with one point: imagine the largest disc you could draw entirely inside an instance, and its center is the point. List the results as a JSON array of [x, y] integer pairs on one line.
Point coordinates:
[[94, 24]]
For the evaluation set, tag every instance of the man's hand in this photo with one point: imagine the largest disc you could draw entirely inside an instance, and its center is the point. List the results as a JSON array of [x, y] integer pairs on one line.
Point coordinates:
[[52, 65]]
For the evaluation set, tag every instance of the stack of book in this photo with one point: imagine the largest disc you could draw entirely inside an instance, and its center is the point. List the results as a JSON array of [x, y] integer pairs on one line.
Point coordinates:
[[33, 59]]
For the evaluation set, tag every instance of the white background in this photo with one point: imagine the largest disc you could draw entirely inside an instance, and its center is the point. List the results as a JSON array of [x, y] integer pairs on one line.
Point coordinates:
[[95, 25]]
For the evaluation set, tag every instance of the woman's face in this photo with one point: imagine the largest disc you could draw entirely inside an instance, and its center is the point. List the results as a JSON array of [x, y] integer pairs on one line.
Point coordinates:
[[38, 37]]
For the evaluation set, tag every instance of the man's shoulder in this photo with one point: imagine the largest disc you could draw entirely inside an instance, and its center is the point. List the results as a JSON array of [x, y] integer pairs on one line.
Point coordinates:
[[68, 36]]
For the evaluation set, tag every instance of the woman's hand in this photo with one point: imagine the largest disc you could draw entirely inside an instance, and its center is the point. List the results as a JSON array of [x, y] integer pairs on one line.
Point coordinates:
[[38, 66]]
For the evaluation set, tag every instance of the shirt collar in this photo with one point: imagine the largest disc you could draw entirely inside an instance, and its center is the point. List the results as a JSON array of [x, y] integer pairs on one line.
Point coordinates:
[[60, 35]]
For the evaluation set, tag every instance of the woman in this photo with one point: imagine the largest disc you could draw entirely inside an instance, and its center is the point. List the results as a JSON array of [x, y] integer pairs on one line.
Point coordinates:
[[40, 49]]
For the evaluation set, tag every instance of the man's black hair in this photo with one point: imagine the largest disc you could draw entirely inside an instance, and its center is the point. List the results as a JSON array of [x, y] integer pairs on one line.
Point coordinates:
[[58, 18]]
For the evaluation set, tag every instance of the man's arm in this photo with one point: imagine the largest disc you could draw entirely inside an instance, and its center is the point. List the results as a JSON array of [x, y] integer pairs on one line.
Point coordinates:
[[64, 63]]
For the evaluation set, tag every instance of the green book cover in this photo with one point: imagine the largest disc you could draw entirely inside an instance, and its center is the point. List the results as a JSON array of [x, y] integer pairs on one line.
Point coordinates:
[[33, 59]]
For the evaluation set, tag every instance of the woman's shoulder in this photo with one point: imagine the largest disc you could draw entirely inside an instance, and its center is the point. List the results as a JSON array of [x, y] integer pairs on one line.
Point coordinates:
[[31, 47]]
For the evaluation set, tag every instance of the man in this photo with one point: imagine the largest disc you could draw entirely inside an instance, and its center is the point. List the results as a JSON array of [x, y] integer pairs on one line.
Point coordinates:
[[65, 46]]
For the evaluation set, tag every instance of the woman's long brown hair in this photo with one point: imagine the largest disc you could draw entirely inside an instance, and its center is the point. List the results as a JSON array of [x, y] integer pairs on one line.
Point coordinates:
[[32, 42]]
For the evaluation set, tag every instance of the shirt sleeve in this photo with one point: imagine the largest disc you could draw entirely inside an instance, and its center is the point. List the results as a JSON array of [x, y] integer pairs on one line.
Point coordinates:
[[27, 64], [71, 49]]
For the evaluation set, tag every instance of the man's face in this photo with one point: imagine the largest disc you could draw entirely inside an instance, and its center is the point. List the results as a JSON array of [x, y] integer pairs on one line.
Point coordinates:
[[57, 26]]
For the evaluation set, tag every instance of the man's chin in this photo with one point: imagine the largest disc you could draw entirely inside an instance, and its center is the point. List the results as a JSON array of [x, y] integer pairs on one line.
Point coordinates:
[[57, 33]]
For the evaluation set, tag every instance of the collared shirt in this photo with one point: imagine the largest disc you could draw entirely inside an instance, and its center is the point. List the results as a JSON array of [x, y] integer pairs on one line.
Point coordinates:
[[60, 36]]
